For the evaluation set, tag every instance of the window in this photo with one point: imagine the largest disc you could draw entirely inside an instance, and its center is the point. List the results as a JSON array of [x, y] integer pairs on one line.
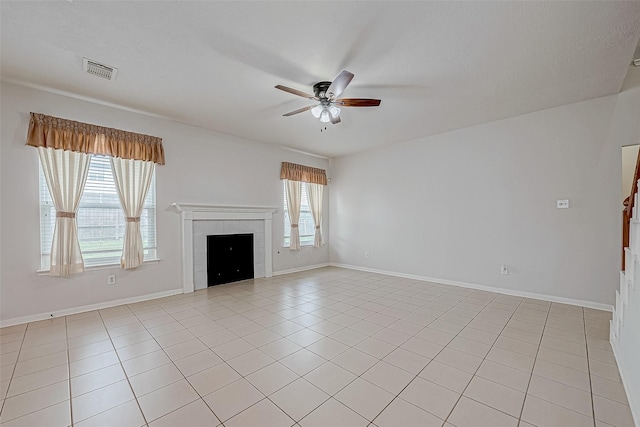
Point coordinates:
[[305, 226], [100, 218]]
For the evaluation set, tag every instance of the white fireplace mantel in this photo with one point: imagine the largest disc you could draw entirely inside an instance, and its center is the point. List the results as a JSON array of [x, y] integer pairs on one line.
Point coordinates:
[[190, 212]]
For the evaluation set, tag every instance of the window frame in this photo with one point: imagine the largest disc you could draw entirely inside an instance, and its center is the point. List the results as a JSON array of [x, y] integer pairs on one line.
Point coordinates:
[[48, 213], [305, 239]]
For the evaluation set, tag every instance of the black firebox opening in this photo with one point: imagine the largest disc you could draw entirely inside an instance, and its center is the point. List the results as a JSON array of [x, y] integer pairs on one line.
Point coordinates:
[[229, 258]]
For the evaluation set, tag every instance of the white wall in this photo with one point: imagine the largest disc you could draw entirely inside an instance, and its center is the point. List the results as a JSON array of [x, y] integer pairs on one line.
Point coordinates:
[[202, 167], [456, 206]]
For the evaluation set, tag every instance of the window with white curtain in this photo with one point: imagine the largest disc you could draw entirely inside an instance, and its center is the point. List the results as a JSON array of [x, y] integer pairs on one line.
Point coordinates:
[[305, 222], [100, 218]]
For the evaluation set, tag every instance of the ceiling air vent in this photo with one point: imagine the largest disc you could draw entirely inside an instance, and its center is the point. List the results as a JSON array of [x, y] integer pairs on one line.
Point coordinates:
[[98, 69]]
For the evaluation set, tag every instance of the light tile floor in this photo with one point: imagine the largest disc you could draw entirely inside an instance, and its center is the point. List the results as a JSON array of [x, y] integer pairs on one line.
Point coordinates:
[[328, 347]]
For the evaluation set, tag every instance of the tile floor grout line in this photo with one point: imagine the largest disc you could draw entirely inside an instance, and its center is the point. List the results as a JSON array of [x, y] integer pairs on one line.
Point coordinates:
[[37, 388], [568, 385], [144, 417], [213, 351], [13, 371], [483, 359], [200, 397], [513, 313], [535, 360], [445, 346], [66, 335], [295, 422], [184, 377], [244, 377], [586, 345], [328, 360], [416, 375]]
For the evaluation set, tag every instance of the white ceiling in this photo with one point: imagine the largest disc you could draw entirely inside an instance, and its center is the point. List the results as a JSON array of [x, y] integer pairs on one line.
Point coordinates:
[[436, 66]]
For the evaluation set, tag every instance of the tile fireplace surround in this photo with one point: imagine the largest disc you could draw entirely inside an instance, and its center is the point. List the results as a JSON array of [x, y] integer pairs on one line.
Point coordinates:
[[199, 220]]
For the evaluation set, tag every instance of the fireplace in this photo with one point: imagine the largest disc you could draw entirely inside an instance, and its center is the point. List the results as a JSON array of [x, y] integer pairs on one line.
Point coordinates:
[[229, 258], [199, 221], [203, 229]]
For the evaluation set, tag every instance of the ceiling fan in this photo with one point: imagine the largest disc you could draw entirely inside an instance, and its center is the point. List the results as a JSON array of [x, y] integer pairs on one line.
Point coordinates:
[[328, 110]]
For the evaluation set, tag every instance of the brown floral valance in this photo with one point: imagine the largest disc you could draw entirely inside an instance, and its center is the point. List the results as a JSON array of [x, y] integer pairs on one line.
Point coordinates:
[[62, 134], [295, 172]]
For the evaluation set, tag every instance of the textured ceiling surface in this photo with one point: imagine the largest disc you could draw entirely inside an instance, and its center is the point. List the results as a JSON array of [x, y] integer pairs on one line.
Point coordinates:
[[436, 66]]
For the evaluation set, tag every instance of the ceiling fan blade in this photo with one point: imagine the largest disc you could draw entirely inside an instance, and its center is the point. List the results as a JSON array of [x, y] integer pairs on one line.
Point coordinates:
[[339, 84], [299, 110], [357, 102], [296, 92], [335, 120]]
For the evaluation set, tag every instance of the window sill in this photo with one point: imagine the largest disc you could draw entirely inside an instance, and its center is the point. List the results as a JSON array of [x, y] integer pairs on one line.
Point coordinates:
[[308, 245], [101, 267]]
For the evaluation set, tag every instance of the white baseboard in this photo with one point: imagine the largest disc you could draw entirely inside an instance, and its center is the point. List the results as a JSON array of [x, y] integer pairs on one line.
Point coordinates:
[[634, 401], [299, 269], [85, 308], [533, 295], [147, 297]]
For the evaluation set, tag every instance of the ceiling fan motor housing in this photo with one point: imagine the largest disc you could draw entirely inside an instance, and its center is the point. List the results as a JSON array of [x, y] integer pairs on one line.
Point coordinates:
[[320, 89]]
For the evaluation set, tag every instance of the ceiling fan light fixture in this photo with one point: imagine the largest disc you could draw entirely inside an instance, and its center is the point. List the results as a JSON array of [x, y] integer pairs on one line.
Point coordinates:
[[316, 111], [334, 111], [324, 116]]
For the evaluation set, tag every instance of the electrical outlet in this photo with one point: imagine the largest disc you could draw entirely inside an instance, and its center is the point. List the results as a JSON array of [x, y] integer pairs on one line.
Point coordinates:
[[504, 269], [298, 254], [562, 204], [367, 254], [111, 279]]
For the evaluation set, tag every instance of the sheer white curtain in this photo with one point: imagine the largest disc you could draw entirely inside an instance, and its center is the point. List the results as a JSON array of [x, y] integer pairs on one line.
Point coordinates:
[[294, 196], [132, 178], [66, 175], [315, 191]]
